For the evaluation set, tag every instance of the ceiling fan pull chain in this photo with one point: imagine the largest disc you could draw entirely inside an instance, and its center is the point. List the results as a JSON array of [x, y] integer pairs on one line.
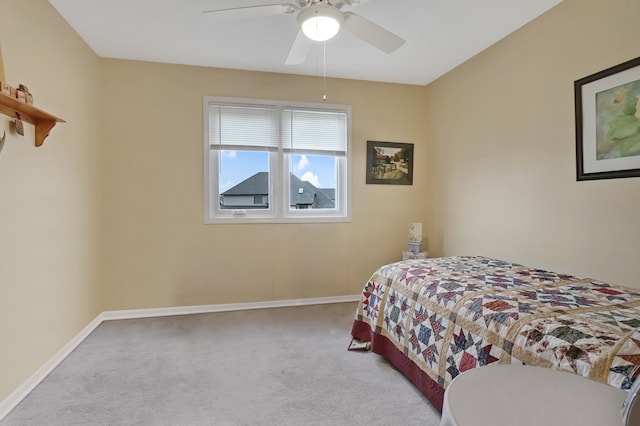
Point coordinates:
[[324, 70]]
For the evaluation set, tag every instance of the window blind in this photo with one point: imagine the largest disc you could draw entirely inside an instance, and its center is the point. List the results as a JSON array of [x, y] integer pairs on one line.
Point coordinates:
[[321, 132], [232, 127]]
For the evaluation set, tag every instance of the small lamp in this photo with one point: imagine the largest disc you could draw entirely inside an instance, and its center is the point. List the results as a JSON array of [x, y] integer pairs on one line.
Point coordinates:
[[320, 22]]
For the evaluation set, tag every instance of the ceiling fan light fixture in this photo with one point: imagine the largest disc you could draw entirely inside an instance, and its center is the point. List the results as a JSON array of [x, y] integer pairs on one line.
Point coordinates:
[[320, 22]]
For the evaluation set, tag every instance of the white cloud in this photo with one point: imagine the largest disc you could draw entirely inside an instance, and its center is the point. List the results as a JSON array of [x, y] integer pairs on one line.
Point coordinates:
[[229, 154], [302, 163], [310, 177]]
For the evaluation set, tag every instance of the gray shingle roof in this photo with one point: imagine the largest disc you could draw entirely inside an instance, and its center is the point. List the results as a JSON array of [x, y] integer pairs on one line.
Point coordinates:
[[330, 193], [258, 184], [309, 195]]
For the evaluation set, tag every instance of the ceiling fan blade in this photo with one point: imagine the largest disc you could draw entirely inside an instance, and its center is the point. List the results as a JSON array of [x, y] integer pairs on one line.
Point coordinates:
[[299, 49], [253, 11], [372, 33], [341, 3]]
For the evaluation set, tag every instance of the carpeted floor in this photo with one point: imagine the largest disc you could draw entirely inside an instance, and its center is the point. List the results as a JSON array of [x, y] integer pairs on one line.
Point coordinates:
[[284, 366]]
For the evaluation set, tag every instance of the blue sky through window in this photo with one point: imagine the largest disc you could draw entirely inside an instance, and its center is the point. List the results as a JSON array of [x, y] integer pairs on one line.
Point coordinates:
[[236, 166]]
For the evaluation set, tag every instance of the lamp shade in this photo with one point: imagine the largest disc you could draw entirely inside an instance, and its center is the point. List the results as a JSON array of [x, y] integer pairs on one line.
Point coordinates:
[[320, 22]]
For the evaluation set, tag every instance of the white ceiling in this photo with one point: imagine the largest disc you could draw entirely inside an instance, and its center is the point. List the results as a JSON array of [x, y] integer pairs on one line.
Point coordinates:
[[439, 34]]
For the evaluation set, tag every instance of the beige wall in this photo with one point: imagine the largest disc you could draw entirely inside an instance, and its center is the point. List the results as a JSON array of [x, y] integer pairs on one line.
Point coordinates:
[[50, 196], [503, 161], [160, 253]]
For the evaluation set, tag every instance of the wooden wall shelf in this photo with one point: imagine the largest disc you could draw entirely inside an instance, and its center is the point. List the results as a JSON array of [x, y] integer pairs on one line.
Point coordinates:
[[43, 121]]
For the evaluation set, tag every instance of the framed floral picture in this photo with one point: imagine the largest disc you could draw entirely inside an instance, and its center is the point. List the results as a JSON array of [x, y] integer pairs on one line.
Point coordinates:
[[607, 108]]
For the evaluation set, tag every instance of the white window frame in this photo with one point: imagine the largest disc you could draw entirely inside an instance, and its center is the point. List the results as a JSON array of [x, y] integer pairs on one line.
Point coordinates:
[[279, 210]]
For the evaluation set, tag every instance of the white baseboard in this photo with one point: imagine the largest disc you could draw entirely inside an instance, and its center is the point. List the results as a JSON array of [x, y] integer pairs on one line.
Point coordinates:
[[10, 402], [203, 309]]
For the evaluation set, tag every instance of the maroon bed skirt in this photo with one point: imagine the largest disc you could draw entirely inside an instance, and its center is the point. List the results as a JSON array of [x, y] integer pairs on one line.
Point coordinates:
[[383, 346]]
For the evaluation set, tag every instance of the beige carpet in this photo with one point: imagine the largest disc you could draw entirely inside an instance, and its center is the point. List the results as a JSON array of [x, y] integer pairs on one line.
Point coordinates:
[[285, 366]]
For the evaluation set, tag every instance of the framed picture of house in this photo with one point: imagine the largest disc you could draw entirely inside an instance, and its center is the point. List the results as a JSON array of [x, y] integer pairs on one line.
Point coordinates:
[[389, 163], [607, 108]]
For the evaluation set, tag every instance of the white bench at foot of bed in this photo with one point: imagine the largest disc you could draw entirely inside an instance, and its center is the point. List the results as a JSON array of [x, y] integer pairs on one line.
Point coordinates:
[[507, 395]]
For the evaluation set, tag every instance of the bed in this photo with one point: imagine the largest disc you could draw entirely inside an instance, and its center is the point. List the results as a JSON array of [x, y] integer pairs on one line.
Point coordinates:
[[436, 318]]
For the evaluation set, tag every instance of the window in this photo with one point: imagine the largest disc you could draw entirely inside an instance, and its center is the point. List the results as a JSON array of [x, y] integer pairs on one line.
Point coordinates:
[[272, 161]]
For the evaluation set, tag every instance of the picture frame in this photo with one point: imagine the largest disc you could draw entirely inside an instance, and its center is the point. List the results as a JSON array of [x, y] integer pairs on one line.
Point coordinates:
[[389, 163], [607, 120]]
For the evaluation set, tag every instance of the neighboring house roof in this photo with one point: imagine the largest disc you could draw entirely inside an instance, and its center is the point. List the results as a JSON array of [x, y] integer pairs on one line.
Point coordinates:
[[258, 184], [330, 193], [309, 194]]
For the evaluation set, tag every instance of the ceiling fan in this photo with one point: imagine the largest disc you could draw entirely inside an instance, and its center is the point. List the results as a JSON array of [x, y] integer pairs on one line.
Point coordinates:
[[319, 20]]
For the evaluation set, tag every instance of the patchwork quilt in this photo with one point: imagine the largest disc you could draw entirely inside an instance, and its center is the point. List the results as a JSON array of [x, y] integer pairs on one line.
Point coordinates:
[[436, 318]]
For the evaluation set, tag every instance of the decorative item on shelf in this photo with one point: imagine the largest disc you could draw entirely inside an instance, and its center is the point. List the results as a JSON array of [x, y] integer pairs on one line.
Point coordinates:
[[21, 96], [7, 89], [19, 125], [27, 94]]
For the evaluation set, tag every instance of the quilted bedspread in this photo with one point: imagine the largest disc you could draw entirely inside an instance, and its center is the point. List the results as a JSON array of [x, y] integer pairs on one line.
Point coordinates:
[[436, 318]]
